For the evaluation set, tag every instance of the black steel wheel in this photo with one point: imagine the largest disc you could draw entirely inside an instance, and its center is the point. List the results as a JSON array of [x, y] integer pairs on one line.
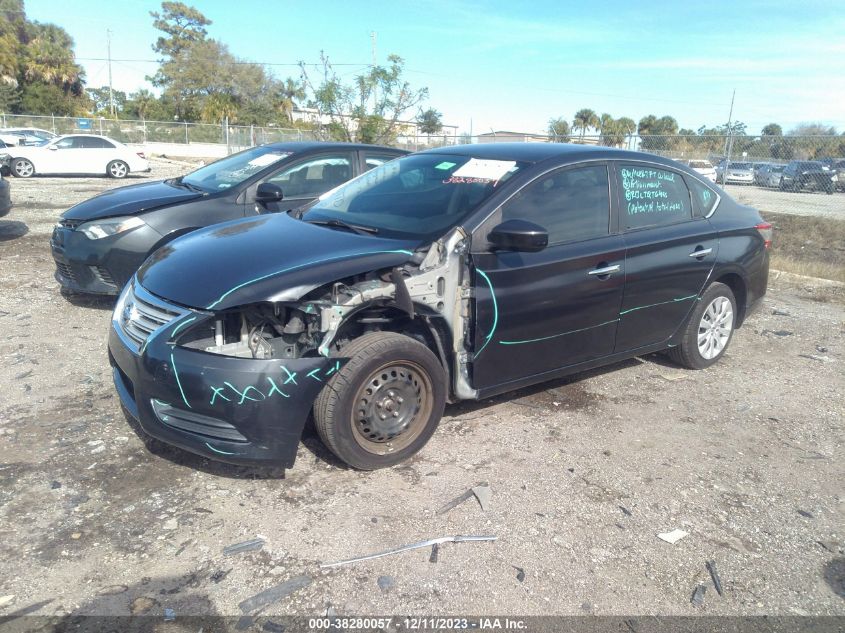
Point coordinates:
[[384, 404]]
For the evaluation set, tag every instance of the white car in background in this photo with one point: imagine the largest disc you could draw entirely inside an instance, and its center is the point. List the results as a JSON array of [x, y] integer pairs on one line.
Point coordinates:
[[25, 135], [704, 168], [76, 154]]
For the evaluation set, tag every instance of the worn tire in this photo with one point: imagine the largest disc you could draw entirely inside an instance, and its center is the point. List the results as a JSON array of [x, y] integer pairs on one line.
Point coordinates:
[[338, 413], [117, 169], [687, 352], [22, 168]]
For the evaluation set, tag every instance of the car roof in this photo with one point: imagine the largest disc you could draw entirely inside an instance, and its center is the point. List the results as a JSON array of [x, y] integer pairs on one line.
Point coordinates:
[[537, 152], [302, 146]]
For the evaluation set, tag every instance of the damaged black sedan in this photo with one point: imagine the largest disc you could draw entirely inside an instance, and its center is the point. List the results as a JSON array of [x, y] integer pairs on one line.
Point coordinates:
[[451, 274]]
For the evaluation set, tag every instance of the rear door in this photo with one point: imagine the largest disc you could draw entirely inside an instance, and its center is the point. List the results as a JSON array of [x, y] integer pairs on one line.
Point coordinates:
[[538, 312], [670, 252], [98, 154]]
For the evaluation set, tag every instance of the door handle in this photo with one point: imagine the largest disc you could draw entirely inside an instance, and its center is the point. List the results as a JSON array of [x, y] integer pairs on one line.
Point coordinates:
[[701, 252], [607, 270]]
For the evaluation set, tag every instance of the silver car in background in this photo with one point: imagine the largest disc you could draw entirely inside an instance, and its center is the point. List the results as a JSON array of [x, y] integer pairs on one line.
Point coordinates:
[[736, 173], [704, 168], [770, 175]]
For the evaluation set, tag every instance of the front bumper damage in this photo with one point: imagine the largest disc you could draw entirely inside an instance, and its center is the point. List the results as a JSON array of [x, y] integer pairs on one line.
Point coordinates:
[[237, 410]]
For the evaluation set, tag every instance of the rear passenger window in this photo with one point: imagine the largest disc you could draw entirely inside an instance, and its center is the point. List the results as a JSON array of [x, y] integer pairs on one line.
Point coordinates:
[[652, 197], [571, 204], [704, 197], [376, 160]]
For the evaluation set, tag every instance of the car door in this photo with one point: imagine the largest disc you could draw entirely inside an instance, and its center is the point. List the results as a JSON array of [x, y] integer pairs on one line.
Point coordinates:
[[669, 252], [69, 157], [536, 312], [308, 178], [98, 154]]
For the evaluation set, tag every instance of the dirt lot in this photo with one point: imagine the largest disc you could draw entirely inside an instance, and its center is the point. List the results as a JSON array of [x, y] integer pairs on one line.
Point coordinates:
[[746, 457]]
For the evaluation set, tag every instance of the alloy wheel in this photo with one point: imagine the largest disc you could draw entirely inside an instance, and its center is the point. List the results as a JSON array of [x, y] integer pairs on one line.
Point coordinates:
[[714, 329]]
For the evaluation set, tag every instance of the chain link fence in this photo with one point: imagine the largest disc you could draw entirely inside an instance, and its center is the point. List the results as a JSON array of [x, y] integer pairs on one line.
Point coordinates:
[[772, 173]]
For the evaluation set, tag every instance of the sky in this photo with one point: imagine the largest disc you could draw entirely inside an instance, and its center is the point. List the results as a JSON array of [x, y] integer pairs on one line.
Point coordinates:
[[515, 65]]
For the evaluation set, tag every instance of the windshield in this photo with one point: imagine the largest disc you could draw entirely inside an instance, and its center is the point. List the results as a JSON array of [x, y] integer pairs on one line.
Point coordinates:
[[234, 169], [740, 166], [777, 169], [417, 196], [700, 164]]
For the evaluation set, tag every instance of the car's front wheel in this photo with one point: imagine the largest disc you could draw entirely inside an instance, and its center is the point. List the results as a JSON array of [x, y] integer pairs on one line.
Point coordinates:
[[709, 330], [22, 168], [384, 404], [117, 169]]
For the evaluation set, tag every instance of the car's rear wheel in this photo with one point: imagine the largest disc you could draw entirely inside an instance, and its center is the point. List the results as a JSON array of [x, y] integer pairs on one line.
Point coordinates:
[[22, 168], [117, 169], [384, 404], [709, 330]]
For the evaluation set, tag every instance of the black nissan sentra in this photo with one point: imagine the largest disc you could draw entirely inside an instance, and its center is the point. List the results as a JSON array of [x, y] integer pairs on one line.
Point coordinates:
[[100, 243], [451, 274]]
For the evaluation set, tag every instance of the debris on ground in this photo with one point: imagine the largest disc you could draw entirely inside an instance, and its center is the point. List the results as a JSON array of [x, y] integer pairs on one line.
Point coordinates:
[[5, 601], [435, 551], [626, 511], [54, 485], [717, 582], [219, 575], [141, 605], [821, 359], [274, 593], [456, 502], [385, 582], [169, 615], [272, 627], [246, 546], [405, 548], [698, 596], [672, 537], [520, 573], [673, 377], [805, 514], [112, 590], [484, 494]]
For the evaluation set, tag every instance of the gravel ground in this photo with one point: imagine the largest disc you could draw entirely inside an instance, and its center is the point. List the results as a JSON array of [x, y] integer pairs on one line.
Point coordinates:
[[745, 456], [777, 201]]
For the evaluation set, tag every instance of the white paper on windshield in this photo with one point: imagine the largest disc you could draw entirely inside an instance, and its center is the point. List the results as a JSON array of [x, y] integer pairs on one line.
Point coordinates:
[[484, 169], [266, 159]]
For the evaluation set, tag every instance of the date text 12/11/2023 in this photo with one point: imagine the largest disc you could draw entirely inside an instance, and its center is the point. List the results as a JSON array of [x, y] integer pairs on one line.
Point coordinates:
[[425, 623]]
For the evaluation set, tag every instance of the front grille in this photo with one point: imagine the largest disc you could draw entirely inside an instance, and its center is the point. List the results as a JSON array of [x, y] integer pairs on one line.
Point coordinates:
[[140, 314], [195, 423], [103, 275], [70, 224], [66, 271]]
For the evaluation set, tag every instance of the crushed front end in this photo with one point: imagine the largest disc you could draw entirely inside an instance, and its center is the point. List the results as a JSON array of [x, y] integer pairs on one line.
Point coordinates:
[[230, 386]]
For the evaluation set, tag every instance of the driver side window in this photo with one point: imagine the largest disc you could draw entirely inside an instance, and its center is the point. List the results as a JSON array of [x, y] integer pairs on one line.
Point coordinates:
[[314, 177]]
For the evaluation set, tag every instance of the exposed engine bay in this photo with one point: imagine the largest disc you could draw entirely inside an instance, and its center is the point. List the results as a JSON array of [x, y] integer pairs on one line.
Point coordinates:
[[426, 298]]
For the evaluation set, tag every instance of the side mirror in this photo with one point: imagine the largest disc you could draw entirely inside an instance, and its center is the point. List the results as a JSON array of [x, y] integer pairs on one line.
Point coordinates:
[[519, 235], [268, 192]]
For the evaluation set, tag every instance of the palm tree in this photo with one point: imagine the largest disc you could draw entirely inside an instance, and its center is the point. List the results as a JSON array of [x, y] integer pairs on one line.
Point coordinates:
[[143, 100], [585, 118]]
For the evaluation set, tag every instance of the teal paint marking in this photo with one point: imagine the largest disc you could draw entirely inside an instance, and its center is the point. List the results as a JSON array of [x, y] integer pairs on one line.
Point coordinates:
[[180, 326], [333, 369], [312, 372], [545, 338], [243, 394], [217, 450], [659, 304], [306, 264], [495, 310], [179, 382], [291, 375], [217, 391], [275, 389]]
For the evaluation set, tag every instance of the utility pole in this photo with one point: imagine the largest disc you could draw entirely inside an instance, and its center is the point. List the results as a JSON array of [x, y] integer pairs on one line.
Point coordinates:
[[729, 140], [373, 37], [111, 91]]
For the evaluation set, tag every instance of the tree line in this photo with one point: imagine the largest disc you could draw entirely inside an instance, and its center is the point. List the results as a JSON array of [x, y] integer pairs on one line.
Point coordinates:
[[201, 80], [807, 140]]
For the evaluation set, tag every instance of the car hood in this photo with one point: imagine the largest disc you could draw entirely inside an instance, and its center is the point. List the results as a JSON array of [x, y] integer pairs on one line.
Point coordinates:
[[130, 200], [267, 258]]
